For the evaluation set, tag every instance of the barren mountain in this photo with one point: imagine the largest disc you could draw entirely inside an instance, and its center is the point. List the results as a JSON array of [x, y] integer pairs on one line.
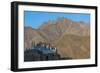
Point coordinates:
[[71, 38], [32, 35]]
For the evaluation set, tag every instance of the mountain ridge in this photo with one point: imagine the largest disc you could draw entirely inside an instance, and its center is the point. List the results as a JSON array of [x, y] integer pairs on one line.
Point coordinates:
[[59, 32]]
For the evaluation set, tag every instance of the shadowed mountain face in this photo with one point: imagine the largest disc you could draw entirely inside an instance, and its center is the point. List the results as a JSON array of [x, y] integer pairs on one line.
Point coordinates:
[[72, 39]]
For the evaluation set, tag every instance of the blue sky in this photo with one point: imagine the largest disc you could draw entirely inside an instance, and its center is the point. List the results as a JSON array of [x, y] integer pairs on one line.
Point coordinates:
[[35, 19]]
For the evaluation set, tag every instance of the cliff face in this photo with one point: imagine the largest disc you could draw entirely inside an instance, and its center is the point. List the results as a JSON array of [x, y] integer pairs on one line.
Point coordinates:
[[72, 39]]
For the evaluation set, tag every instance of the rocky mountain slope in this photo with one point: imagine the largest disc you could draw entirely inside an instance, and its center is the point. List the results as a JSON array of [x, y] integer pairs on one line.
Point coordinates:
[[72, 39]]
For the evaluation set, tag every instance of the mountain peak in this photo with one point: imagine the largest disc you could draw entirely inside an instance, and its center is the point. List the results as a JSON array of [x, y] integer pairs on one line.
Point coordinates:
[[71, 38]]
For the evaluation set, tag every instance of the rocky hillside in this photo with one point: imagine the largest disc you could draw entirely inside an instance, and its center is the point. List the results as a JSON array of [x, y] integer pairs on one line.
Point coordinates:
[[71, 38]]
